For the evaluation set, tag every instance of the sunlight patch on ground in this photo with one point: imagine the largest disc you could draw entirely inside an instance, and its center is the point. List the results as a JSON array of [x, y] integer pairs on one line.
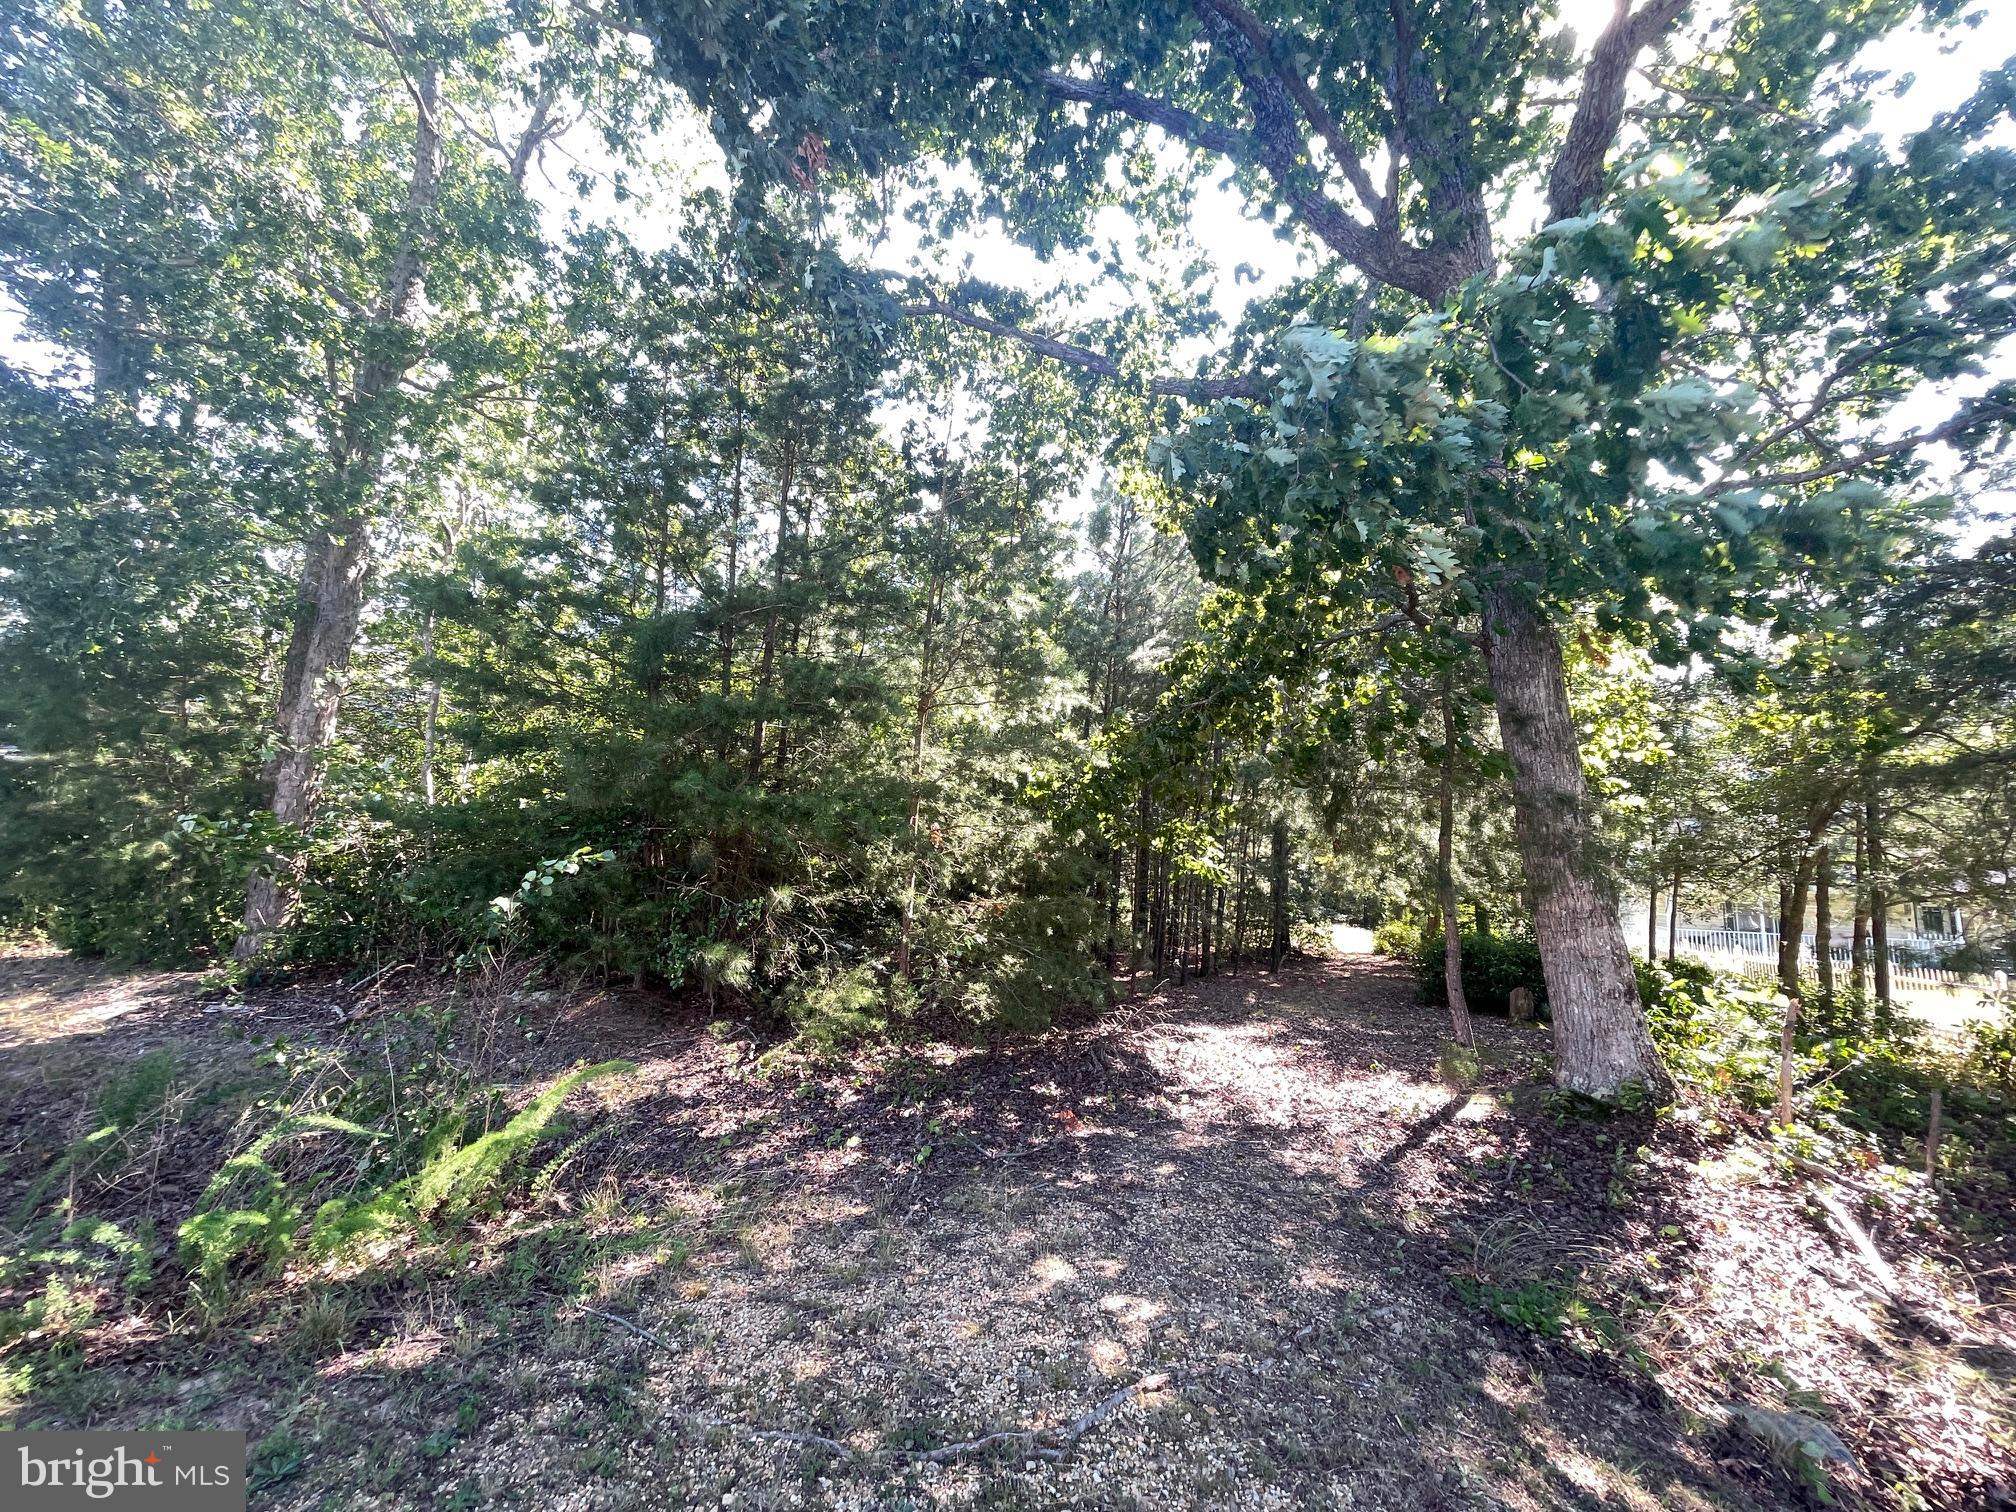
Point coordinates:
[[41, 1016], [1129, 1309], [1052, 1270]]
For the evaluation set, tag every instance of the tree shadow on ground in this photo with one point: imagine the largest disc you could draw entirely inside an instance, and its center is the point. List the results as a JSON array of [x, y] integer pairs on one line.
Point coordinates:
[[1346, 1283]]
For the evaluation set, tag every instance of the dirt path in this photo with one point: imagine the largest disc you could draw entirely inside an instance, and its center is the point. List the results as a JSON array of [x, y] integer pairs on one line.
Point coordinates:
[[1246, 1194], [784, 1285]]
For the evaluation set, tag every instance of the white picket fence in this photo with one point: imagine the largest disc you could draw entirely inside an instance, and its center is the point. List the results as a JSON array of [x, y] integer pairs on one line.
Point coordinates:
[[1745, 949]]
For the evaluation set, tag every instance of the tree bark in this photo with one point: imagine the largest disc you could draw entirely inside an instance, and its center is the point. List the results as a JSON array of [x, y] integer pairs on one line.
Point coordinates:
[[430, 724], [1138, 923], [920, 729], [1673, 918], [1792, 921], [767, 667], [1601, 1042], [1239, 899], [1277, 946], [1858, 936], [1879, 898], [726, 737], [1445, 876], [336, 565], [1823, 920], [328, 608]]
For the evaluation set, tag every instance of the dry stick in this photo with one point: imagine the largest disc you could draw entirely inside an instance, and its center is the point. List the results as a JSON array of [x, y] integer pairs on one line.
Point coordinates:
[[1785, 1044], [811, 1440], [1073, 1431], [1932, 1139], [1065, 1436], [1828, 1173], [642, 1333], [986, 1441], [1858, 1240]]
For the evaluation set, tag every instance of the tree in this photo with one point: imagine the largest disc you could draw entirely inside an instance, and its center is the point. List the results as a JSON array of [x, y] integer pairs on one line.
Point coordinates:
[[1594, 418], [304, 241]]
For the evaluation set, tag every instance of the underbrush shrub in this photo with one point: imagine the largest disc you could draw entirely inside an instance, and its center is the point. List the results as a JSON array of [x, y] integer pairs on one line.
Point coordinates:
[[1014, 961], [1013, 941], [169, 893], [833, 1007], [1991, 1046], [1494, 966], [1718, 1034], [1399, 938]]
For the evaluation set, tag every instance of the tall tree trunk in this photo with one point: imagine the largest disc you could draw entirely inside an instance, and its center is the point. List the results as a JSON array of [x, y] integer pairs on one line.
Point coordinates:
[[1239, 902], [772, 622], [791, 649], [1277, 901], [430, 718], [1165, 909], [1673, 918], [430, 723], [336, 563], [1858, 934], [1138, 921], [913, 829], [328, 608], [1445, 874], [1823, 920], [1879, 898], [1652, 922], [726, 635], [1792, 921], [1113, 881], [1601, 1042], [927, 671]]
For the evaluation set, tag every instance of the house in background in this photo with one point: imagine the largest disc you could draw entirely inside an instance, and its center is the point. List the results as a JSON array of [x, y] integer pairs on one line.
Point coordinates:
[[1920, 934]]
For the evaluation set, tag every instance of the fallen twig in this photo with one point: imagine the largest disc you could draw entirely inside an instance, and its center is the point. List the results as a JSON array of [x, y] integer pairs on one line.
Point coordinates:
[[1886, 1285], [1111, 1405], [979, 1445], [1050, 1444], [810, 1440], [641, 1332], [1828, 1173]]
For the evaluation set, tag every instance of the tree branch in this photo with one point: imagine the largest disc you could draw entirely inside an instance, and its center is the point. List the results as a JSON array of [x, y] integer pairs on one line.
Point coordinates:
[[1202, 390], [1275, 146], [1172, 118], [1961, 423], [1577, 177], [1279, 144], [1313, 110]]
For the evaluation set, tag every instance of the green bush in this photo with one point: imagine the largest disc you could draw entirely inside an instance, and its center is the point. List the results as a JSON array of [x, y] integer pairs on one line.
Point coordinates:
[[1991, 1048], [833, 1007], [1716, 1033], [173, 897], [1493, 966], [1399, 938]]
